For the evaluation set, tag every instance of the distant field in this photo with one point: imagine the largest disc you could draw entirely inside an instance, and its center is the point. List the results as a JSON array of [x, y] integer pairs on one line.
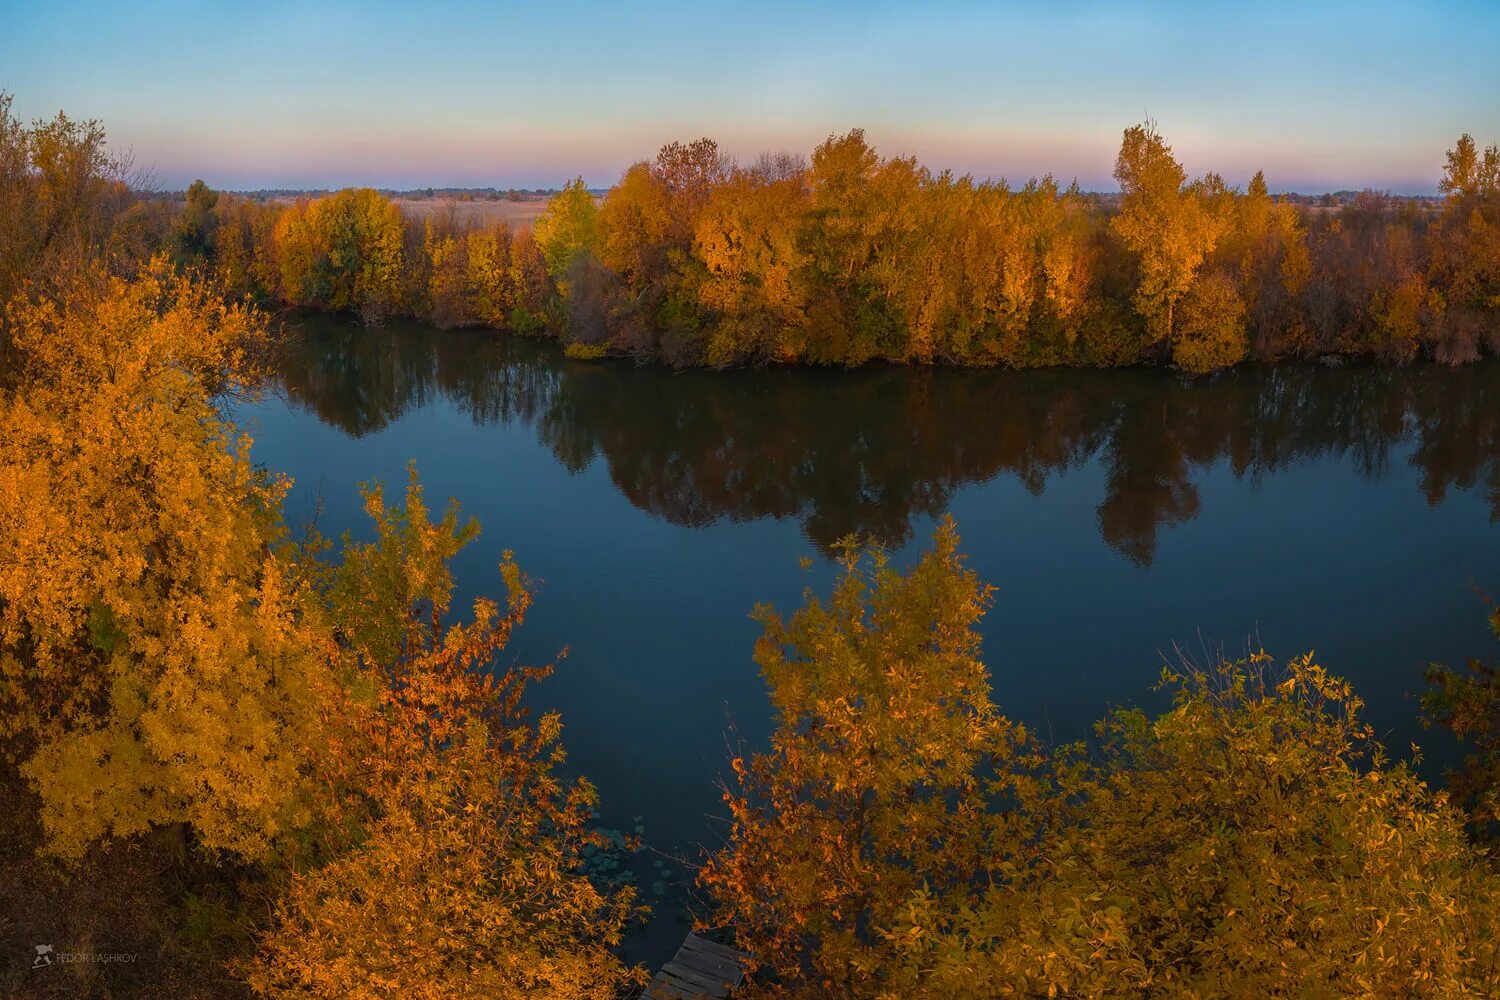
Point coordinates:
[[516, 214], [478, 212]]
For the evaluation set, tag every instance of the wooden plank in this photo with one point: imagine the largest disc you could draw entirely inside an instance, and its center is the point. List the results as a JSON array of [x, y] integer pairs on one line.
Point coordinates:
[[718, 973], [697, 991], [710, 983], [701, 970], [730, 972]]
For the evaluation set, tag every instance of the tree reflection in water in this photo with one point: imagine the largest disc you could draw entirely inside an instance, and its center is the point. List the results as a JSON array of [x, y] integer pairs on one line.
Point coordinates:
[[867, 451]]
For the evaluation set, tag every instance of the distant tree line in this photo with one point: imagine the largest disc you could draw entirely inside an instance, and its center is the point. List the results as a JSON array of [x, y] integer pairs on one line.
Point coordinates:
[[849, 257]]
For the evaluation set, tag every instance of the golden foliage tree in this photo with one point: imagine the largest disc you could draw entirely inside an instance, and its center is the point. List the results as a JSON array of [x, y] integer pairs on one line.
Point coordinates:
[[454, 847], [1212, 327], [746, 237], [883, 779], [635, 224], [1251, 841], [844, 259], [491, 289], [167, 658], [153, 668], [1169, 225], [1464, 249], [66, 209], [901, 839], [343, 252]]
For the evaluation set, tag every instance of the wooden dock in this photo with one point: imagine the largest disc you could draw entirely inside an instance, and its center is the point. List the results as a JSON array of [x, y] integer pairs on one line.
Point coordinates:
[[701, 970]]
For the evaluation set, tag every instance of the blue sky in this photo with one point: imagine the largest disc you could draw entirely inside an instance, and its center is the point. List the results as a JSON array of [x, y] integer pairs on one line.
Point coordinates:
[[1321, 96]]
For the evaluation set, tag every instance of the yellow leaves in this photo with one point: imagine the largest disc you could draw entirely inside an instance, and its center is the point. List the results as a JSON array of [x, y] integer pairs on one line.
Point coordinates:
[[160, 674], [394, 592], [453, 844], [568, 228], [165, 658], [747, 240], [1212, 328], [872, 794], [1171, 227], [344, 251], [1250, 841]]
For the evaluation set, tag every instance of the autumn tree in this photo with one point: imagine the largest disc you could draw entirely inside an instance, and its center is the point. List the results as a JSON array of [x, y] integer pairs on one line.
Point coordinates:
[[491, 289], [841, 259], [746, 237], [900, 838], [449, 295], [153, 665], [534, 287], [1067, 263], [1253, 840], [453, 846], [837, 238], [688, 173], [1470, 175], [1465, 252], [244, 257], [343, 252], [1266, 250], [66, 209], [1212, 326], [568, 227], [195, 228], [1169, 224], [635, 224], [885, 777]]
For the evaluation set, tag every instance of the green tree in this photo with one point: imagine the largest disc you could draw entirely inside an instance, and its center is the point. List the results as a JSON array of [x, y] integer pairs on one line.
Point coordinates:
[[568, 228], [196, 226]]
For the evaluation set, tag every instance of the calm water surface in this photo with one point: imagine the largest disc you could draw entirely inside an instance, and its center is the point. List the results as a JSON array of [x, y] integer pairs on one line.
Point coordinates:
[[1121, 514]]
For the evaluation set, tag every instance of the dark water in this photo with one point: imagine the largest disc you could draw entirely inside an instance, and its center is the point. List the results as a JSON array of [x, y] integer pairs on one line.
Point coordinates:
[[1121, 513]]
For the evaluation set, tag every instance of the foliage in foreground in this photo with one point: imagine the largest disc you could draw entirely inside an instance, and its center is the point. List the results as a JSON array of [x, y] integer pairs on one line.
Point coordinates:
[[340, 776], [151, 666], [461, 874], [888, 776], [1252, 840]]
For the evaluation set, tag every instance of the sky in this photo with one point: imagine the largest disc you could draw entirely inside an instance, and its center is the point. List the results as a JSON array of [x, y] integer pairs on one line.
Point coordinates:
[[1322, 96]]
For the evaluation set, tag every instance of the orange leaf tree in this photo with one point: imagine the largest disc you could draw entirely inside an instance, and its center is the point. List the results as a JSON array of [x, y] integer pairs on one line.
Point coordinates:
[[155, 667]]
